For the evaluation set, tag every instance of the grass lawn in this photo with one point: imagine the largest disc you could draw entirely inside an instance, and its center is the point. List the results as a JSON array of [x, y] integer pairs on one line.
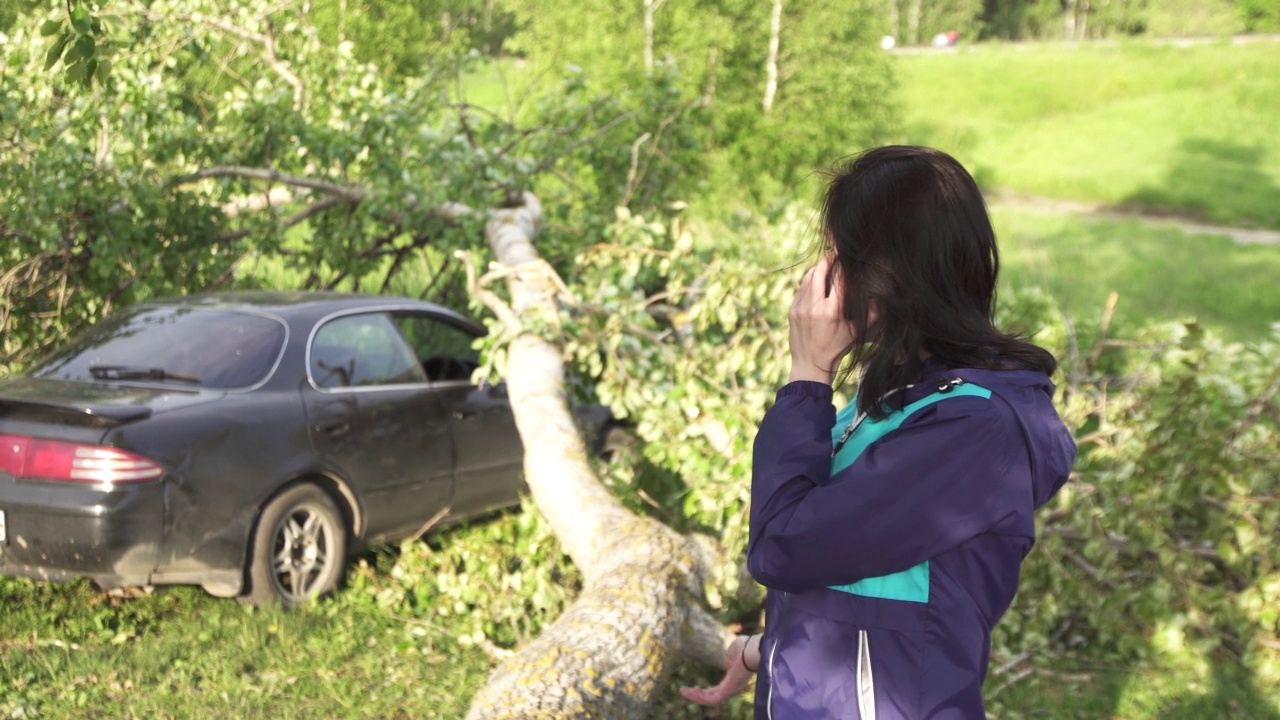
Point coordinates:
[[68, 652], [1170, 690], [1184, 130], [501, 85], [1161, 272]]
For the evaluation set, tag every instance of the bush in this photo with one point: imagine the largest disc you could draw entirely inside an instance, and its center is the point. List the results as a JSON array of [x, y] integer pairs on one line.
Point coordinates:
[[1165, 536]]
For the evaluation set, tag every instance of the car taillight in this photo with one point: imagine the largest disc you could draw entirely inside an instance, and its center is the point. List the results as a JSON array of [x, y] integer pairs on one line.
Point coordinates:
[[28, 457]]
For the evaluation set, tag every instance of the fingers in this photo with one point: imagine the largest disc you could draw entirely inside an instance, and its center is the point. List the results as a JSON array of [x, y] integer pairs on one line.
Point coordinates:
[[817, 276], [822, 271], [712, 695], [703, 696], [814, 290], [814, 301], [735, 680], [819, 335]]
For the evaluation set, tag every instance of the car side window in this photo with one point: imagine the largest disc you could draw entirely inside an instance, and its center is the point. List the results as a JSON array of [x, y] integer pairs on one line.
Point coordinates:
[[359, 351], [443, 349]]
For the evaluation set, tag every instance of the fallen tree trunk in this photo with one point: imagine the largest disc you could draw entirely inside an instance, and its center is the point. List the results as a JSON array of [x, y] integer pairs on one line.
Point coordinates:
[[642, 607]]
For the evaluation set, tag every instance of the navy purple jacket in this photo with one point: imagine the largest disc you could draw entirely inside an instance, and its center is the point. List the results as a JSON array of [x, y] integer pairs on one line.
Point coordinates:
[[888, 563]]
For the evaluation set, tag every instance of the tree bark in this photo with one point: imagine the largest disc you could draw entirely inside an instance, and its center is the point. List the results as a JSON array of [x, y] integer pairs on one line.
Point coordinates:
[[650, 8], [914, 12], [642, 606], [771, 63]]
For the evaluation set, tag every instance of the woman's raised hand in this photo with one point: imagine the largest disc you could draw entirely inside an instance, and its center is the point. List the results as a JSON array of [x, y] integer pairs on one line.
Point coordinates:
[[820, 335]]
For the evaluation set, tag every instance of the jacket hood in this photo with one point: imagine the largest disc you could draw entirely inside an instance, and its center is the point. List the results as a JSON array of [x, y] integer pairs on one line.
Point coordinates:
[[1030, 395]]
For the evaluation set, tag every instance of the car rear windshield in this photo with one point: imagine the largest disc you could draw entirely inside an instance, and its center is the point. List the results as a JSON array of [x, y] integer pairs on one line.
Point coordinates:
[[196, 347]]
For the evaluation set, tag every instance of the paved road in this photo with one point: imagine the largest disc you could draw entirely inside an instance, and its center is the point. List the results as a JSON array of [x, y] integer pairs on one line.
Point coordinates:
[[1051, 205], [1028, 44]]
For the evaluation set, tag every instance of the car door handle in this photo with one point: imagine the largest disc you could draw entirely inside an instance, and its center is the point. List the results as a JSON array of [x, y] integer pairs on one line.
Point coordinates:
[[334, 429], [464, 414]]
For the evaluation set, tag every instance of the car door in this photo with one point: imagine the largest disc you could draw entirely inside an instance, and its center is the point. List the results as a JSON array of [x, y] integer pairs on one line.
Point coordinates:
[[488, 453], [376, 421]]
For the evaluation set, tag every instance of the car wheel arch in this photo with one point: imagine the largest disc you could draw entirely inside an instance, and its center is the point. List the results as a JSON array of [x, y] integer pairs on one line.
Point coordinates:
[[347, 502], [335, 487]]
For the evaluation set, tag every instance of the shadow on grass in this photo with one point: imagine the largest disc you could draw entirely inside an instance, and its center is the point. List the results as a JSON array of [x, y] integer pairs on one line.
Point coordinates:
[[1213, 180], [1233, 696], [1172, 689], [1234, 692]]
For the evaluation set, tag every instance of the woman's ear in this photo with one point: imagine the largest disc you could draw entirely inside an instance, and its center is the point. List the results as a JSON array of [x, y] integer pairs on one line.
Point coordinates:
[[873, 312]]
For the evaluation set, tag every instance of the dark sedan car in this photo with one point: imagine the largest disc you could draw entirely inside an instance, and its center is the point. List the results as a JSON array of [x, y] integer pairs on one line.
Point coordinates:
[[249, 442]]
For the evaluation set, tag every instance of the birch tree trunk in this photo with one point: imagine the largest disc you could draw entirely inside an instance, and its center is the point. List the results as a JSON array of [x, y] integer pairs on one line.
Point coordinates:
[[642, 606], [914, 12], [650, 8], [771, 63]]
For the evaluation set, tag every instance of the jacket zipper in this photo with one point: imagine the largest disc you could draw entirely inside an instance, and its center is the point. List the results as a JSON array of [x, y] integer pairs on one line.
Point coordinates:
[[866, 685], [773, 649], [865, 679]]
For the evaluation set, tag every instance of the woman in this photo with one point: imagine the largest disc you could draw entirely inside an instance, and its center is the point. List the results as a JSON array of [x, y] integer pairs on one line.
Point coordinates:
[[890, 534]]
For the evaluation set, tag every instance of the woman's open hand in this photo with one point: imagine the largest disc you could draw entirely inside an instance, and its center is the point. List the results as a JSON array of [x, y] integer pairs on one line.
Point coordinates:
[[736, 676], [819, 333]]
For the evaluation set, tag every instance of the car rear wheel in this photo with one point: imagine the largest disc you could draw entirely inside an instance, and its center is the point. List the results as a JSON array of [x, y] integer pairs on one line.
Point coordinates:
[[299, 548]]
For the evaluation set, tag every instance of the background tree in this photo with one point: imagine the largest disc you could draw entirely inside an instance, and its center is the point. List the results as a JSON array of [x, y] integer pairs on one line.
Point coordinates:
[[830, 82]]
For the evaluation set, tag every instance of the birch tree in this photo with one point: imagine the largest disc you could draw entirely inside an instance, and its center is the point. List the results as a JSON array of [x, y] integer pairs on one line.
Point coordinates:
[[771, 61]]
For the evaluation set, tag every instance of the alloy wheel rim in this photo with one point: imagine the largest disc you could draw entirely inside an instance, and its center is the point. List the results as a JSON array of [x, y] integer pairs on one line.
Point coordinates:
[[302, 553]]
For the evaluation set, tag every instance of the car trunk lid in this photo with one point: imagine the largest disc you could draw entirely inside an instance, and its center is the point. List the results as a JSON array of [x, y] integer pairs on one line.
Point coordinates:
[[67, 409]]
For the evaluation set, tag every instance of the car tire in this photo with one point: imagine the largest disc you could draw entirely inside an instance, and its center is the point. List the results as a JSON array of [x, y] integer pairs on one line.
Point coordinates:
[[299, 548]]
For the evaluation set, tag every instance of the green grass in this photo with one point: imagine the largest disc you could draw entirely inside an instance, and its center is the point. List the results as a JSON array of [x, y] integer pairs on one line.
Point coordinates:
[[1170, 18], [1161, 272], [1184, 130], [183, 654], [502, 85], [1175, 689], [69, 652]]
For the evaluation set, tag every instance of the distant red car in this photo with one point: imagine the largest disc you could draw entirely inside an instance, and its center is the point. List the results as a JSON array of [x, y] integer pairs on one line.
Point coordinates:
[[249, 442]]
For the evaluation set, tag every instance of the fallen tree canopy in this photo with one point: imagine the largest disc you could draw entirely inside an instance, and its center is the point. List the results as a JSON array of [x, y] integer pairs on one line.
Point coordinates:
[[297, 166], [642, 607]]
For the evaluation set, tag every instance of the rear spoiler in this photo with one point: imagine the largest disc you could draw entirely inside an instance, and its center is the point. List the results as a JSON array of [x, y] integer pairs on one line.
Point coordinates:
[[81, 413]]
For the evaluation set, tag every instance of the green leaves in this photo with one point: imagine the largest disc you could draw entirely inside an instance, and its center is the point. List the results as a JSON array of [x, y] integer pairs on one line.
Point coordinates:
[[113, 221], [79, 45], [500, 581], [56, 50], [833, 96], [1170, 520], [81, 20]]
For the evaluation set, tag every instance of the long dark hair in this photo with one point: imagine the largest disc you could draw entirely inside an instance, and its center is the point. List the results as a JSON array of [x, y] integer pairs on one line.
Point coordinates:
[[910, 231]]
